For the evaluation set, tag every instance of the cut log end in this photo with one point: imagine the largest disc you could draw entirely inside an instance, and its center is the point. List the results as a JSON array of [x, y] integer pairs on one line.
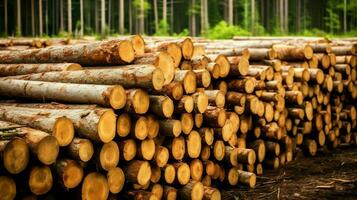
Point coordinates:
[[206, 79], [249, 86], [16, 156], [107, 126], [219, 150], [117, 98], [47, 150], [72, 175], [138, 44], [40, 180], [197, 191], [123, 125], [86, 150], [162, 156], [144, 173], [128, 149], [116, 180], [109, 155], [186, 123], [178, 148], [189, 82], [308, 52], [126, 51], [224, 65], [188, 104], [194, 144], [166, 63], [158, 79], [95, 187], [141, 128], [175, 51], [73, 67], [202, 102], [147, 148], [243, 66], [169, 174], [167, 107], [187, 48], [63, 131], [141, 101], [183, 173], [177, 91], [220, 99], [7, 188]]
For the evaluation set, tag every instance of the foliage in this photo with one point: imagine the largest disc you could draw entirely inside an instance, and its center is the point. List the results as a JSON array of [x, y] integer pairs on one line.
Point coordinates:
[[332, 20], [184, 33], [224, 31], [164, 29], [146, 7]]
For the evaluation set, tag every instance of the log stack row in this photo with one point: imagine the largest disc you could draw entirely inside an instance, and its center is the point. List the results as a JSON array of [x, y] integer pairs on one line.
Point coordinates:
[[169, 119]]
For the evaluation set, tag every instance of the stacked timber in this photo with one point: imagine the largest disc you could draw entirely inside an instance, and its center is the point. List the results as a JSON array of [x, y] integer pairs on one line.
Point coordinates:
[[168, 118]]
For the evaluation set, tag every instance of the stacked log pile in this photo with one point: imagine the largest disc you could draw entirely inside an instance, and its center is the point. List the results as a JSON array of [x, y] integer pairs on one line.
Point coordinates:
[[169, 119]]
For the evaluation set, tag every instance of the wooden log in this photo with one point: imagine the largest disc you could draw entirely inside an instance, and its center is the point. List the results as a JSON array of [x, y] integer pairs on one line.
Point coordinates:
[[177, 148], [260, 149], [183, 172], [112, 96], [205, 152], [214, 116], [219, 150], [98, 125], [187, 122], [146, 149], [247, 178], [21, 69], [226, 131], [15, 155], [161, 156], [69, 172], [169, 173], [95, 186], [184, 105], [174, 90], [170, 127], [155, 174], [170, 193], [193, 190], [231, 156], [138, 101], [203, 78], [193, 144], [286, 52], [200, 100], [153, 126], [235, 98], [80, 149], [116, 180], [40, 180], [138, 171], [262, 54], [310, 147], [239, 66], [140, 130], [161, 106], [172, 48], [214, 69], [243, 85], [188, 80], [162, 61], [344, 50], [108, 156], [95, 53], [247, 156], [127, 149], [123, 125], [223, 63], [233, 176], [7, 188], [211, 193]]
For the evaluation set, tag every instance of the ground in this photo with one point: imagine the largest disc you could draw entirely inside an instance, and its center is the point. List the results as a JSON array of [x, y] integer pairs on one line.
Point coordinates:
[[328, 175]]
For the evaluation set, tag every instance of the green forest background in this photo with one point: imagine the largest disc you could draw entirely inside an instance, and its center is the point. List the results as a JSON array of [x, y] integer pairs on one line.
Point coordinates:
[[216, 19]]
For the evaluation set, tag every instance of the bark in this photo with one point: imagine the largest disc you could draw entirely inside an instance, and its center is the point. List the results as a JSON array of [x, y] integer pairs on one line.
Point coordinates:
[[97, 53]]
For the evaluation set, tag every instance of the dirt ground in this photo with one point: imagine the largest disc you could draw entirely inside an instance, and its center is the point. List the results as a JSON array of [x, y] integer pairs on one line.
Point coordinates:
[[328, 175]]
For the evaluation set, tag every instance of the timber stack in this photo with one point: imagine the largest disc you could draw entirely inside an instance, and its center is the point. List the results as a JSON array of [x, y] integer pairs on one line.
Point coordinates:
[[168, 118]]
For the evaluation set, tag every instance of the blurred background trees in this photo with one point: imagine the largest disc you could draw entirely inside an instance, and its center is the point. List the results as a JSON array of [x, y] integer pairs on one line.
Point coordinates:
[[210, 18]]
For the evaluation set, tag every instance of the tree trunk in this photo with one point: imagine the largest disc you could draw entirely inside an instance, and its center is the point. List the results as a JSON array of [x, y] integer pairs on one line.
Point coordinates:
[[61, 16], [69, 15], [164, 10], [130, 76], [281, 15], [33, 17], [253, 16], [40, 25], [5, 17], [18, 17], [102, 18], [142, 17], [193, 19], [96, 53], [345, 16], [230, 12], [286, 16], [121, 17], [81, 18], [156, 17]]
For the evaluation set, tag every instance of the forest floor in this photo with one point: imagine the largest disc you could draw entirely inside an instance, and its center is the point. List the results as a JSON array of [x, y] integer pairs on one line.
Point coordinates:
[[328, 175]]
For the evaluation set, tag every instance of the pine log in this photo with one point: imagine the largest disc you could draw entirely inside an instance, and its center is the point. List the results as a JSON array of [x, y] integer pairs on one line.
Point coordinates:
[[170, 193], [98, 125], [262, 54], [69, 172], [116, 180], [286, 52], [15, 155], [194, 190], [214, 117], [40, 180], [203, 77], [194, 144], [170, 127], [161, 106], [243, 85], [146, 149], [200, 100], [169, 173], [162, 61], [188, 80], [172, 48], [187, 123], [219, 150], [113, 96], [22, 69], [184, 105], [95, 53], [239, 66], [138, 101], [80, 149], [7, 188], [174, 90], [95, 187], [138, 171]]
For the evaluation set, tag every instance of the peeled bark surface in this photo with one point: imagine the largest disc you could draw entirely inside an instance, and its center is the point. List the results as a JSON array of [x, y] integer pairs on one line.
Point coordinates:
[[112, 96], [98, 125], [21, 69], [96, 53], [129, 76]]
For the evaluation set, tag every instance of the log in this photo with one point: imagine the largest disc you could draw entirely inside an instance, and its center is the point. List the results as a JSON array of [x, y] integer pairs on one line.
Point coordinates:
[[95, 186], [174, 90], [203, 77], [138, 171], [69, 172], [40, 180], [162, 61], [169, 173], [127, 149], [193, 144], [242, 85], [155, 174], [247, 178], [214, 117], [170, 127], [188, 80], [170, 193], [153, 126], [262, 54], [96, 53], [172, 48], [187, 123], [80, 149], [22, 69], [109, 155], [161, 106], [161, 156], [140, 130], [219, 150], [210, 193], [291, 53], [140, 195], [7, 187], [183, 172], [215, 97], [129, 76], [138, 101], [123, 125], [116, 180], [146, 149], [200, 100], [15, 155], [112, 96], [193, 190], [239, 66], [184, 105], [98, 125]]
